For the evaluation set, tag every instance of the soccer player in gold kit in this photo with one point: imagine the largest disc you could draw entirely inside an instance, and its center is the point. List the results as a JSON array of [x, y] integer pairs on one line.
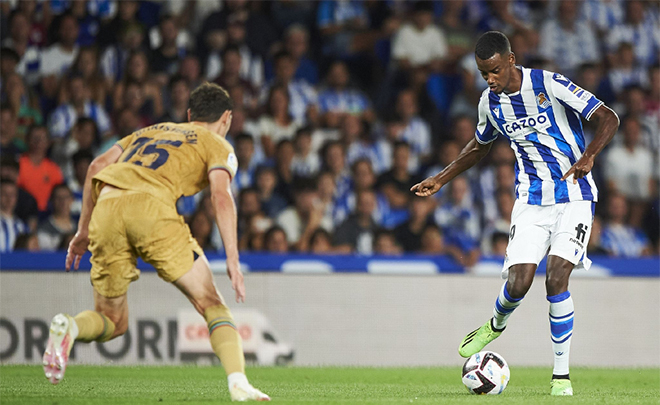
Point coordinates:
[[129, 211]]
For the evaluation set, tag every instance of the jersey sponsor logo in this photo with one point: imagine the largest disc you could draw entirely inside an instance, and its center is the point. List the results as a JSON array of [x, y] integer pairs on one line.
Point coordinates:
[[526, 125], [232, 162], [543, 101]]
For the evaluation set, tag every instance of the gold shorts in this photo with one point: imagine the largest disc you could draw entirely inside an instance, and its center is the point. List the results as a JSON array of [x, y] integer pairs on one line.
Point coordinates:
[[128, 224]]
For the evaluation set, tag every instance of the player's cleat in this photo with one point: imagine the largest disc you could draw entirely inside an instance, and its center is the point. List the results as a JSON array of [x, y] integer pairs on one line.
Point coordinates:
[[476, 340], [60, 341], [243, 391], [561, 387]]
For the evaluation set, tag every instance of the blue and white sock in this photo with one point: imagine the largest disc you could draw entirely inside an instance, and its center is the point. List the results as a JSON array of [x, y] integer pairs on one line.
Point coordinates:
[[504, 306], [561, 328]]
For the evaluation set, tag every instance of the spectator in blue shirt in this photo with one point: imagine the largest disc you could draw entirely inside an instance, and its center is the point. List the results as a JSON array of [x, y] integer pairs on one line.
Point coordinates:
[[12, 226], [619, 238], [337, 98]]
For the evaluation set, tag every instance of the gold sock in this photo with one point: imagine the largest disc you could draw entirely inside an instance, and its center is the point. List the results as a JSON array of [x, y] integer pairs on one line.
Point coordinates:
[[225, 340], [94, 326]]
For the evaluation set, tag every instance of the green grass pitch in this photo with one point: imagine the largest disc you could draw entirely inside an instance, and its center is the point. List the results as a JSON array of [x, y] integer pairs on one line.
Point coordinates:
[[205, 385]]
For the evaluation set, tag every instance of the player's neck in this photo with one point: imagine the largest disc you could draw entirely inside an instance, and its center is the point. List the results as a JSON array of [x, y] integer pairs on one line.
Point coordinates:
[[214, 127], [515, 83]]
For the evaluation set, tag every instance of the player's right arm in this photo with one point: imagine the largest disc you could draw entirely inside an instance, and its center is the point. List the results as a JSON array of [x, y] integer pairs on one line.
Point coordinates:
[[79, 243], [226, 219], [471, 154]]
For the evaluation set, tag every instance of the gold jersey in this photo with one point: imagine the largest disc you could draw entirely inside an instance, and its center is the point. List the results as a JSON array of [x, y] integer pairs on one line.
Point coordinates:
[[167, 161]]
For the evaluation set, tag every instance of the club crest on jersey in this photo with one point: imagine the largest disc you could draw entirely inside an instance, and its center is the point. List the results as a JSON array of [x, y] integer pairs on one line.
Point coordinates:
[[542, 101]]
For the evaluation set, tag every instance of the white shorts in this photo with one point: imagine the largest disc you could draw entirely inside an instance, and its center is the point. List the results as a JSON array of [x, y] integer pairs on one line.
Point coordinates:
[[561, 230]]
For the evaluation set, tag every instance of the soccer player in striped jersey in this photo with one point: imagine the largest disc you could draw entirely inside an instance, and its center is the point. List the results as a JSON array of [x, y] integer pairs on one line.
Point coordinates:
[[539, 112]]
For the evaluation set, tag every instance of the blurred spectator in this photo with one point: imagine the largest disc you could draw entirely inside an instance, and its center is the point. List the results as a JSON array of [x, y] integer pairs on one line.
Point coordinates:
[[339, 99], [12, 226], [284, 153], [60, 222], [460, 36], [432, 242], [88, 23], [603, 14], [249, 206], [84, 136], [629, 170], [147, 91], [626, 72], [191, 70], [247, 165], [305, 163], [636, 104], [272, 203], [200, 229], [115, 58], [9, 142], [417, 132], [29, 55], [26, 207], [179, 97], [275, 240], [296, 43], [409, 234], [171, 46], [618, 238], [567, 42], [400, 173], [420, 44], [501, 223], [364, 178], [8, 62], [87, 66], [333, 155], [302, 96], [499, 241], [231, 76], [504, 15], [57, 58], [80, 104], [356, 233], [277, 123], [320, 242], [112, 31], [304, 217], [386, 244], [27, 242], [640, 29], [342, 25], [595, 246], [361, 144], [81, 161], [24, 105], [38, 175], [325, 187], [460, 221]]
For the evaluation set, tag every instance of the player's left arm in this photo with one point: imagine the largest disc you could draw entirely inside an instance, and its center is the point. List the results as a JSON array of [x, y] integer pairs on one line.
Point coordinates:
[[590, 108], [607, 123], [79, 243]]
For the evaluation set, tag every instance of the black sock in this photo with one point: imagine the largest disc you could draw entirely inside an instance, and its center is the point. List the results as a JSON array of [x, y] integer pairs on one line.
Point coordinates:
[[560, 377]]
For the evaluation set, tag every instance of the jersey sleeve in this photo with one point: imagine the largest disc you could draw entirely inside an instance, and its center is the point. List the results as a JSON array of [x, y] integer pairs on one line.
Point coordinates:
[[220, 156], [124, 142], [485, 132], [574, 97]]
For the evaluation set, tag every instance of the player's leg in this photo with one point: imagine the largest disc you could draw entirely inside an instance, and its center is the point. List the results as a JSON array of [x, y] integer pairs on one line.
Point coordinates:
[[198, 285], [513, 291], [568, 248], [529, 239]]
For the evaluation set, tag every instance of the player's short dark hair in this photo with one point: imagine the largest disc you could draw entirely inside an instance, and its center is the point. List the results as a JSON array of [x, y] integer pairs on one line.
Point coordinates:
[[490, 43], [208, 102]]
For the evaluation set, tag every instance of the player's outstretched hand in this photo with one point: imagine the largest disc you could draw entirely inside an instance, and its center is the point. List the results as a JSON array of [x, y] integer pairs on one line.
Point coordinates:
[[77, 248], [426, 188], [237, 283], [580, 168]]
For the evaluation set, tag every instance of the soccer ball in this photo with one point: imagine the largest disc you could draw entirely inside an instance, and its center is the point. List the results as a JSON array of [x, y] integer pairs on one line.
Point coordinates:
[[486, 373]]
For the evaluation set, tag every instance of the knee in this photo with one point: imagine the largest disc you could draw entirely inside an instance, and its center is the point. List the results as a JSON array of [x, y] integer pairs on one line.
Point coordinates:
[[555, 284], [207, 301], [517, 289]]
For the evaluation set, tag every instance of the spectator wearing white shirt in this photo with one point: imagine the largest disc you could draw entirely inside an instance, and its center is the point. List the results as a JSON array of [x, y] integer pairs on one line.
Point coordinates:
[[420, 43], [66, 115], [567, 42], [57, 59], [305, 163], [629, 170], [60, 223], [639, 29], [277, 123], [12, 226]]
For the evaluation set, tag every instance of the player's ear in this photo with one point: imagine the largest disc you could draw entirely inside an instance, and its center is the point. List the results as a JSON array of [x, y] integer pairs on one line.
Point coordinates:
[[512, 58]]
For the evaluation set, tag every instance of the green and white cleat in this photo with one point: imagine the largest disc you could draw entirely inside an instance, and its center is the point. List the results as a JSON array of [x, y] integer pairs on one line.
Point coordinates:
[[561, 387], [476, 340]]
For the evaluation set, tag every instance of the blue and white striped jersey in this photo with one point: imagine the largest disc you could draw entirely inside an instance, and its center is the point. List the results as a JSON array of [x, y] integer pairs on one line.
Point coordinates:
[[542, 122], [11, 228]]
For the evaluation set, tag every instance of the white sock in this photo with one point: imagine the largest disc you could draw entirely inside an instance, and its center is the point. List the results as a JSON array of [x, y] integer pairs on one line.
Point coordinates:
[[561, 329], [74, 328], [236, 378], [504, 306]]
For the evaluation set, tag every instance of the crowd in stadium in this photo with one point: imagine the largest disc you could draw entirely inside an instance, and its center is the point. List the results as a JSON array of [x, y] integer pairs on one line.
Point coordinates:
[[339, 108]]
